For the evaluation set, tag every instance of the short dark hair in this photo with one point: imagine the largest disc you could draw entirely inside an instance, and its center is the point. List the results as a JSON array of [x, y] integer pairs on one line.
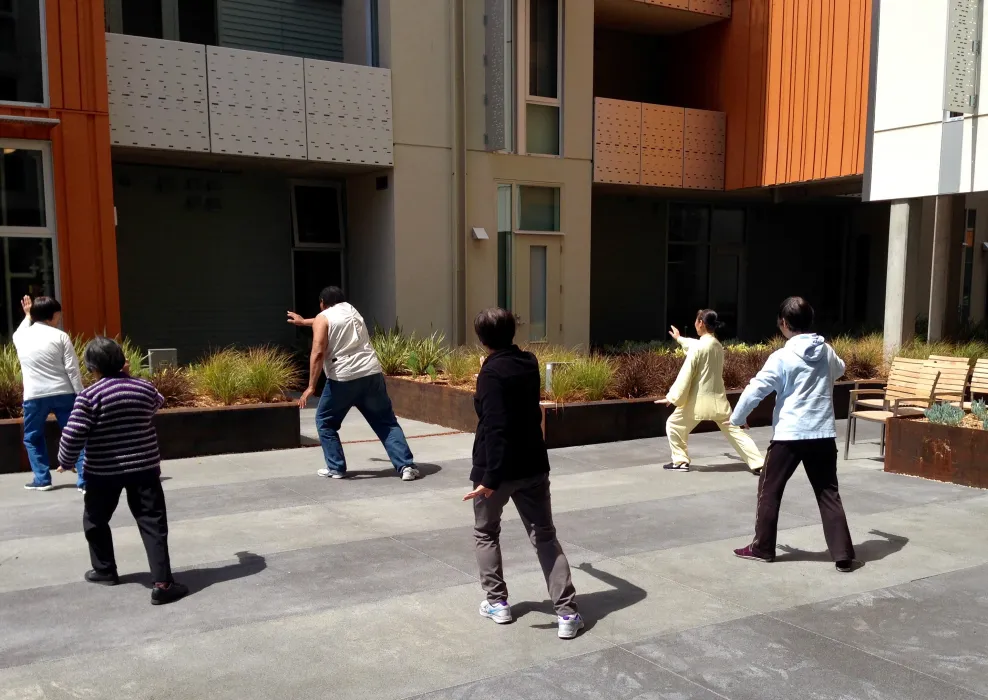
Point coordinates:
[[104, 356], [797, 313], [710, 320], [495, 327], [43, 309], [331, 296]]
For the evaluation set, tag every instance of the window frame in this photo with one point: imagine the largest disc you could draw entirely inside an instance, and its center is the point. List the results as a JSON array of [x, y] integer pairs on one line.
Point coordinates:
[[516, 207], [45, 90], [523, 77], [340, 194]]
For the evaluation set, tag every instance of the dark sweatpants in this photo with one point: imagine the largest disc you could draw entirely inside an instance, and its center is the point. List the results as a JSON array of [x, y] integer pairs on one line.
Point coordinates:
[[819, 458], [147, 502]]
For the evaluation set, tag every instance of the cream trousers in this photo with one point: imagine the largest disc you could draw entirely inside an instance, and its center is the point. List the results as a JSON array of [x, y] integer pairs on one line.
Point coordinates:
[[680, 424]]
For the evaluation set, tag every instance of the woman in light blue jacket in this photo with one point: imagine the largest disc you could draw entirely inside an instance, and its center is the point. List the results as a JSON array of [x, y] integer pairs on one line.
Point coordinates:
[[802, 375]]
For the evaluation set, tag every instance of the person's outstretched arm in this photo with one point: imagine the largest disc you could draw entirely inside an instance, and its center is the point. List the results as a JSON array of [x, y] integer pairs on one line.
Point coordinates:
[[297, 320], [768, 379], [75, 434], [684, 380], [320, 344], [71, 361]]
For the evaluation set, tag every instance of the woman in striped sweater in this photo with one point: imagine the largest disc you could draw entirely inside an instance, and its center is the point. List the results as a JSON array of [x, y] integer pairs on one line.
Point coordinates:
[[111, 420]]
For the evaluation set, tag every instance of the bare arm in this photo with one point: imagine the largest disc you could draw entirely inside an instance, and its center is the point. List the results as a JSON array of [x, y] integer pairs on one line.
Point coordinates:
[[297, 320], [320, 344]]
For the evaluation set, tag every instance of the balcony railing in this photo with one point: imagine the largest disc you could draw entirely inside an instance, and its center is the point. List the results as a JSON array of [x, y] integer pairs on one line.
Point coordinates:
[[174, 95], [638, 143]]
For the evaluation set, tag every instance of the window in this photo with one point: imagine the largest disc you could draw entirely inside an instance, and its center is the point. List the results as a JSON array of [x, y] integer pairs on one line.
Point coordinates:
[[27, 247], [318, 256], [142, 18], [538, 208], [193, 21], [22, 52], [504, 248], [542, 105], [538, 292], [967, 266]]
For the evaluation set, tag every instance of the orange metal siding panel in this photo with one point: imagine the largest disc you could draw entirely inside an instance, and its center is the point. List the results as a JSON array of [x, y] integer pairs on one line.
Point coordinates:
[[823, 93], [662, 145], [797, 110], [107, 224], [838, 90], [54, 49], [773, 93], [617, 141], [852, 100], [864, 88], [756, 107], [811, 93], [703, 150], [69, 36]]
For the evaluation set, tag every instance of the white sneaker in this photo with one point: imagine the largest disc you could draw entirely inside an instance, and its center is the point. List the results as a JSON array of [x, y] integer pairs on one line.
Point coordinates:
[[82, 490], [570, 626], [499, 612], [329, 474], [410, 474]]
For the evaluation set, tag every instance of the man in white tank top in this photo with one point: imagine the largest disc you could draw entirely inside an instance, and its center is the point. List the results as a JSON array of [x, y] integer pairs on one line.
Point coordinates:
[[342, 349]]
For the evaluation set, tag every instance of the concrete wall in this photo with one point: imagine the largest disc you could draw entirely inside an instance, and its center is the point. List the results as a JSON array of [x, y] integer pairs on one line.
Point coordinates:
[[371, 248]]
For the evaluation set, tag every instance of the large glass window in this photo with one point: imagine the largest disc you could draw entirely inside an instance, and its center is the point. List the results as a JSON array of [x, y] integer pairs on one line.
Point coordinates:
[[318, 256], [504, 247], [22, 66], [538, 208], [27, 246], [542, 108], [538, 292]]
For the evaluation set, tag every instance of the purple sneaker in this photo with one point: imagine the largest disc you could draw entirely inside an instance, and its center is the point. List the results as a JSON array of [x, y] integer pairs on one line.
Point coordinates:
[[749, 553]]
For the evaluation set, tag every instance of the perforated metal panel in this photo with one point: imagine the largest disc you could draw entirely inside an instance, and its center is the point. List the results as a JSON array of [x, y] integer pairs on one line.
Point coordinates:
[[348, 113], [256, 103], [703, 149], [718, 8], [617, 141], [963, 50], [494, 75], [157, 93], [662, 145], [678, 4]]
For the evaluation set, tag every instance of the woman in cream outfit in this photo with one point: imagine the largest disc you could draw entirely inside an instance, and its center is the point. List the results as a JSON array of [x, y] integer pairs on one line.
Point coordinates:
[[698, 395]]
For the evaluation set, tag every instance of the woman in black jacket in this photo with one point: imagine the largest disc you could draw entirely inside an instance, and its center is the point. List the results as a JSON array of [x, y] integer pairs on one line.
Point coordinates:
[[510, 462]]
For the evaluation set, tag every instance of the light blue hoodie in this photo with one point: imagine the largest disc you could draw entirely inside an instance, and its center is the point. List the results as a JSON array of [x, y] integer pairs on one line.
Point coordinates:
[[802, 375]]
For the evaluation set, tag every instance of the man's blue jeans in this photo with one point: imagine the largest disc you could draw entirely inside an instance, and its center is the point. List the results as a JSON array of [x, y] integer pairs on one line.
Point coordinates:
[[369, 395], [36, 412]]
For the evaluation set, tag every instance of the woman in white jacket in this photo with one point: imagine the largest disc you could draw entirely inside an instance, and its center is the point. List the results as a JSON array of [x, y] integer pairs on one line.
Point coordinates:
[[802, 375], [698, 395]]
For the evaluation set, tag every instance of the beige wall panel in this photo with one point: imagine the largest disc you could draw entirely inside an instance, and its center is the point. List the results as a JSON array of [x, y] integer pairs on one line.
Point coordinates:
[[718, 8], [485, 171], [371, 247], [419, 55], [423, 242], [662, 145], [578, 79], [617, 141], [704, 146]]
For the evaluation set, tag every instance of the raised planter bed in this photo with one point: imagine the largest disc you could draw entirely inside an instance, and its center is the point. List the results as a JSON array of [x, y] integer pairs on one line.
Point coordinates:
[[186, 432], [578, 423], [938, 452]]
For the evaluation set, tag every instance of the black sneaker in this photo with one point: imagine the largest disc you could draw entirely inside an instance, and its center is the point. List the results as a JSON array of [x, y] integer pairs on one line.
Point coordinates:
[[845, 566], [163, 596], [674, 467], [94, 576]]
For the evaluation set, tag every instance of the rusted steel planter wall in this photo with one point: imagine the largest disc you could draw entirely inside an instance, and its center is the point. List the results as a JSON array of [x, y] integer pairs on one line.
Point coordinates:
[[438, 404], [939, 452], [186, 432]]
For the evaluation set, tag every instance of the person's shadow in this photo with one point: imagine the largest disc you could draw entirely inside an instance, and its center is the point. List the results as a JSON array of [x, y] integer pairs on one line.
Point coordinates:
[[424, 469], [248, 564], [594, 606], [867, 551]]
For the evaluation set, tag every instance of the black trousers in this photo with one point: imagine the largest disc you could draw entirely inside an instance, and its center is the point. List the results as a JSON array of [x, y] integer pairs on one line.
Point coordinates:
[[819, 458], [147, 502]]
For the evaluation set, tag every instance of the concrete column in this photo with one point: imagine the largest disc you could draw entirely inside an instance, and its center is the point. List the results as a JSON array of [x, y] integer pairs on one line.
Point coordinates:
[[898, 323], [948, 236]]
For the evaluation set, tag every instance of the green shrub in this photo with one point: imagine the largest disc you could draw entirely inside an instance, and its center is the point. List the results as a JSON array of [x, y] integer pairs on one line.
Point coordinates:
[[392, 348], [588, 378], [11, 386], [220, 376], [921, 350], [136, 358], [546, 353], [945, 414], [266, 373], [426, 354], [461, 365], [980, 409], [864, 357]]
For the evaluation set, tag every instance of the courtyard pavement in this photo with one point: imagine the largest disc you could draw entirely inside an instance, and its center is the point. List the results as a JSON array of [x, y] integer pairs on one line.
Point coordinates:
[[366, 588]]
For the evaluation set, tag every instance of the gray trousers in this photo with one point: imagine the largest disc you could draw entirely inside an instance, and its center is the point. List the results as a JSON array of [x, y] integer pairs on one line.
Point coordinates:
[[531, 497]]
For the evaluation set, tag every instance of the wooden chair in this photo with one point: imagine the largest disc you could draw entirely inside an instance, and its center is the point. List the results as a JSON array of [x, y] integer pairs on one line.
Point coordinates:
[[979, 382], [903, 382], [955, 378], [923, 397]]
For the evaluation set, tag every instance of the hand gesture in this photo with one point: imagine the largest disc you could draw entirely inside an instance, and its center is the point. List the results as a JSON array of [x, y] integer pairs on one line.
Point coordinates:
[[662, 402], [295, 319], [479, 492], [26, 304], [674, 333], [306, 395]]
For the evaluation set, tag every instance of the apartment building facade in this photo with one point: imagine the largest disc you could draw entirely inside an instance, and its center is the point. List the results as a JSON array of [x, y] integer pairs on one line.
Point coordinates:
[[185, 171]]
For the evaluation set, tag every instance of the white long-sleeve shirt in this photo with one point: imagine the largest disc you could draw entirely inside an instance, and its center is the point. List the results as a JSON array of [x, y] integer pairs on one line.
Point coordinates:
[[48, 361]]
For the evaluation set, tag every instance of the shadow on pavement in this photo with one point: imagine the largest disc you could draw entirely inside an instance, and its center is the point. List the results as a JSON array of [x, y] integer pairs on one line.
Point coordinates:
[[869, 550], [248, 564], [425, 470], [594, 606]]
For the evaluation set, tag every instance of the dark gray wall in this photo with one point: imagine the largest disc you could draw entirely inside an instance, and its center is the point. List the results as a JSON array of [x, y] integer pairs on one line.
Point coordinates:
[[307, 28], [627, 269], [204, 258]]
